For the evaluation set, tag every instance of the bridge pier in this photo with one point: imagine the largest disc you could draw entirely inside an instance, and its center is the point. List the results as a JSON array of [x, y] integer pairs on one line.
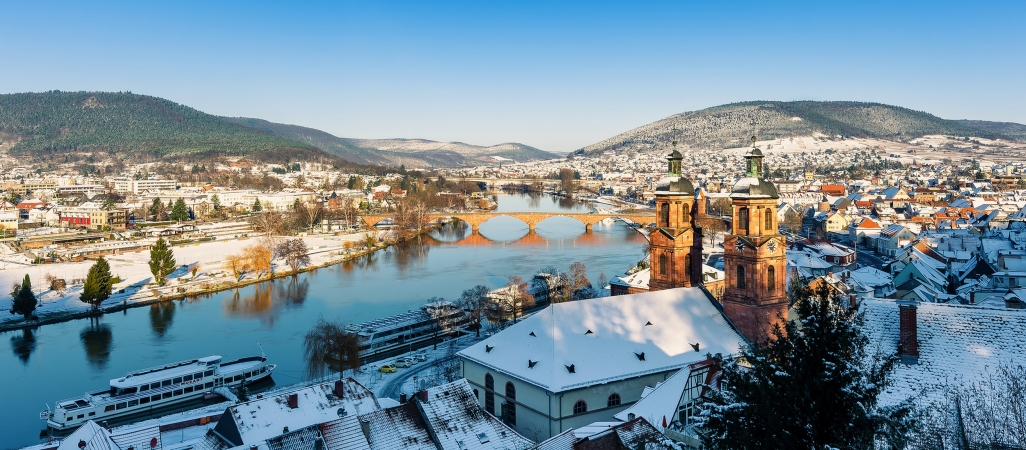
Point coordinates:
[[587, 227]]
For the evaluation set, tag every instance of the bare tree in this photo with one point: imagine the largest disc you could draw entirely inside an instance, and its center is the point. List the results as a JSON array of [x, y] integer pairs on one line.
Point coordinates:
[[566, 181], [237, 264], [258, 258], [474, 301], [270, 223], [308, 214], [443, 315], [580, 286], [58, 285], [329, 344], [294, 252], [514, 299], [793, 221]]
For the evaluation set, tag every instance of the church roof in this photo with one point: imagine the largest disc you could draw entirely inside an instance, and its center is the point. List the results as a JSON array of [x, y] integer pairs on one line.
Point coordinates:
[[749, 187], [675, 185], [609, 339]]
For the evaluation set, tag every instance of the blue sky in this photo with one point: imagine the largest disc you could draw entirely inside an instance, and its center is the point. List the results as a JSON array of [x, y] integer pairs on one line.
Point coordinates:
[[555, 75]]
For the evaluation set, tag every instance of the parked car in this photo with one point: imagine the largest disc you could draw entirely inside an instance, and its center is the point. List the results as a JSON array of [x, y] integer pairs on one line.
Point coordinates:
[[403, 362], [388, 368], [419, 357]]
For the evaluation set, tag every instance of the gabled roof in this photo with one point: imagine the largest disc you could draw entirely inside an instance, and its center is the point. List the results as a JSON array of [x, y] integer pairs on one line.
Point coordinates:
[[93, 436], [956, 344], [458, 421], [608, 339]]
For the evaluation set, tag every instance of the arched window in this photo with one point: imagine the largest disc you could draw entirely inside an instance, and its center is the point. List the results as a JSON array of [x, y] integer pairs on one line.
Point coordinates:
[[685, 214], [687, 265], [614, 400], [489, 394], [767, 222], [662, 264], [664, 215], [771, 277], [580, 407], [740, 277], [511, 406], [742, 220]]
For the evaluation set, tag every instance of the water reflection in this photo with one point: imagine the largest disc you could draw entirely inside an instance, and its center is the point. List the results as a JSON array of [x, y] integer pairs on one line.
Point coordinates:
[[161, 316], [267, 298], [97, 339], [415, 249], [24, 345]]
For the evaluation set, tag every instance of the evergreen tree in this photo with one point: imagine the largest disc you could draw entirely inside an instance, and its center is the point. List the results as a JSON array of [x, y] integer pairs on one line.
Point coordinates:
[[162, 261], [256, 206], [98, 284], [179, 212], [812, 386], [25, 300], [156, 209], [216, 201], [352, 182]]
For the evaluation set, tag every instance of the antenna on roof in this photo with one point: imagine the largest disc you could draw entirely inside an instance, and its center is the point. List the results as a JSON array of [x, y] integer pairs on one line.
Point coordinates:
[[262, 355]]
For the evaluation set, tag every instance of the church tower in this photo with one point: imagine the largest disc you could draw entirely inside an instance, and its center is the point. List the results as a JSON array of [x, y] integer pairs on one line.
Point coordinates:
[[753, 255], [676, 243]]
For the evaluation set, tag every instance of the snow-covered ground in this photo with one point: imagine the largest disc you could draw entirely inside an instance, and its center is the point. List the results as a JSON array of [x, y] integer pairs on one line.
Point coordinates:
[[135, 274]]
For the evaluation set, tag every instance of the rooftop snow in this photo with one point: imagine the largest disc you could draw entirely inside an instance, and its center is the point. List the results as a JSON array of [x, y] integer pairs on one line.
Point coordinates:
[[680, 317]]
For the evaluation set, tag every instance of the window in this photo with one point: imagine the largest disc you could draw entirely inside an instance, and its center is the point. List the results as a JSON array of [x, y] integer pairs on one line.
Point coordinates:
[[208, 373], [121, 405], [177, 380], [662, 264], [742, 221], [187, 378], [144, 388], [741, 277], [614, 400], [580, 407], [92, 413], [154, 398], [511, 391], [489, 395], [771, 277], [144, 400], [767, 221], [177, 392], [687, 266], [685, 214], [664, 215], [165, 395], [80, 416], [133, 403]]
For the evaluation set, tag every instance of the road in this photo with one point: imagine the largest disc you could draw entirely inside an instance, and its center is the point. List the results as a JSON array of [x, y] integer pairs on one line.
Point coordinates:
[[394, 386], [866, 258]]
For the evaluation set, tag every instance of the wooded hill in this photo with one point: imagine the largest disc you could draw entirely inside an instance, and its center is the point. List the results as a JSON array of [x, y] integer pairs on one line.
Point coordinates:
[[731, 125], [39, 124]]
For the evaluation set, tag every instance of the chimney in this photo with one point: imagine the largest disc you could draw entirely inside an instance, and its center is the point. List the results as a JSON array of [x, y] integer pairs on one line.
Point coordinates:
[[293, 401], [339, 389], [908, 336], [402, 398], [423, 395], [630, 417], [972, 297]]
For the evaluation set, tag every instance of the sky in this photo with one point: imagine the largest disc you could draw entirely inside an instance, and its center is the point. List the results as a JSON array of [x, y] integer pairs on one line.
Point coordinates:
[[555, 75]]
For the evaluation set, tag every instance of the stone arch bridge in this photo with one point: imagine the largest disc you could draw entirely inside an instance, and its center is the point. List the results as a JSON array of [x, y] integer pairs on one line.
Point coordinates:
[[530, 218]]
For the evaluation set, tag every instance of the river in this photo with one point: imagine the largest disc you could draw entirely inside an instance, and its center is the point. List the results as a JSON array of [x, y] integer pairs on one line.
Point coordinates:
[[58, 361]]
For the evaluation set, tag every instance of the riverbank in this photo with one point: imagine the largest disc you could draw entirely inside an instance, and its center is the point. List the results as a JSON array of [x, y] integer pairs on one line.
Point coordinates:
[[137, 288]]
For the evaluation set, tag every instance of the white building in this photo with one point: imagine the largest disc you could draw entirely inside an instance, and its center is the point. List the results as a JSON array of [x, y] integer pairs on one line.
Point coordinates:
[[576, 363]]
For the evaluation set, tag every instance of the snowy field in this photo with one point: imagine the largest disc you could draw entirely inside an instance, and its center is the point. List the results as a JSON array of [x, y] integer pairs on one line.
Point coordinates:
[[135, 274]]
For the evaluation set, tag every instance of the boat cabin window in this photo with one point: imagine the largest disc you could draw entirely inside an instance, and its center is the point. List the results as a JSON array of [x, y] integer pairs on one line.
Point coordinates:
[[121, 405], [209, 384], [144, 400], [154, 398], [130, 390], [197, 376], [108, 408], [133, 403], [177, 380], [92, 413], [165, 395], [208, 373], [144, 388], [165, 383], [80, 416], [178, 392], [187, 378]]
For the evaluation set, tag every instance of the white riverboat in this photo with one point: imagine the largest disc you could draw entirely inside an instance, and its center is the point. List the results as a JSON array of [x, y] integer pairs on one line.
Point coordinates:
[[157, 387], [433, 320]]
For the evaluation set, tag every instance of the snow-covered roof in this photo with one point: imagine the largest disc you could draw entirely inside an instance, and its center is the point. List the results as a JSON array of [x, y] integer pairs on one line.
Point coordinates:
[[458, 421], [661, 402], [872, 276], [94, 437], [956, 344], [604, 339], [262, 419], [637, 279]]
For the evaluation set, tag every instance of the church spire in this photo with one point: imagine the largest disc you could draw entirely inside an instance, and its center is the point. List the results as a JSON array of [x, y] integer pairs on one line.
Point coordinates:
[[753, 162]]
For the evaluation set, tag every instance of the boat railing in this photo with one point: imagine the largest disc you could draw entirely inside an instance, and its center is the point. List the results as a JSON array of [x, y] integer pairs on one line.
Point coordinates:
[[159, 368]]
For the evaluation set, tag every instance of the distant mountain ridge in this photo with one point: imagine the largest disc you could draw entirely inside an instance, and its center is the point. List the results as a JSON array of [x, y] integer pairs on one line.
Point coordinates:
[[395, 152], [730, 125]]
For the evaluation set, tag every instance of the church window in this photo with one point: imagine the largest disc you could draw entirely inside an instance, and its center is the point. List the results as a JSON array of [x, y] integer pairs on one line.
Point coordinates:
[[687, 265], [511, 405], [767, 223], [664, 215], [771, 277], [662, 264], [580, 407], [742, 220], [685, 214], [489, 395], [614, 400], [741, 277]]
